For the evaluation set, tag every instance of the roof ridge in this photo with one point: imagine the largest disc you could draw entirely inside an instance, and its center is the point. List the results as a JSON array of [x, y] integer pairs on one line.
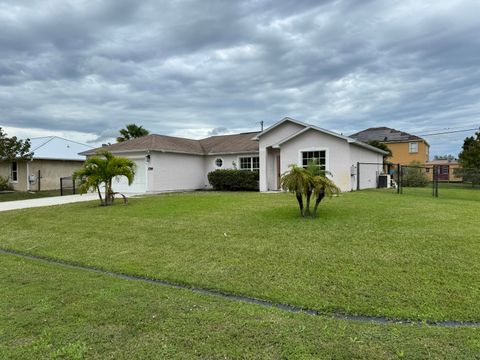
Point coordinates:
[[44, 143]]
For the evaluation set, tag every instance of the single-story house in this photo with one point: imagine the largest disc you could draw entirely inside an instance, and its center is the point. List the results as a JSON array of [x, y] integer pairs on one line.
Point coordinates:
[[166, 163], [445, 168], [53, 157]]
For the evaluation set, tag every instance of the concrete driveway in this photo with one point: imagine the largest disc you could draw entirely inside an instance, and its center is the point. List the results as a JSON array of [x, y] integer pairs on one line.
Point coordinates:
[[48, 201]]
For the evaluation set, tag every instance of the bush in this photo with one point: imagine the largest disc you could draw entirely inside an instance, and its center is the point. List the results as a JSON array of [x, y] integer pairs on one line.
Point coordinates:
[[233, 180], [414, 176], [4, 184]]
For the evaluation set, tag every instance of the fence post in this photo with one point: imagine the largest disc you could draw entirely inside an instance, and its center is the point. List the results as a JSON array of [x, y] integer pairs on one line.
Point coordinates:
[[358, 176], [39, 179], [61, 186], [398, 178]]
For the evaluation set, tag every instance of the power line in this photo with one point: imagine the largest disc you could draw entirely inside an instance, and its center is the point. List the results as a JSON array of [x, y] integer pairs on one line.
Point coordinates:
[[450, 132]]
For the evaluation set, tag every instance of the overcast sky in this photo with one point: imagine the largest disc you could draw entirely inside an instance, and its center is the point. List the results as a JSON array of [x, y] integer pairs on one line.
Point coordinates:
[[83, 69]]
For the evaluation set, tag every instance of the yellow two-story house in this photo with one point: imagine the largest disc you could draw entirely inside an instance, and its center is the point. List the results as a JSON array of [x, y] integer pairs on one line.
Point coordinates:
[[405, 147]]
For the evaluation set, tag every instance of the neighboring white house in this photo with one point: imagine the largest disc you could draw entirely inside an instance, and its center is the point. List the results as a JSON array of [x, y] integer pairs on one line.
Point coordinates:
[[166, 163]]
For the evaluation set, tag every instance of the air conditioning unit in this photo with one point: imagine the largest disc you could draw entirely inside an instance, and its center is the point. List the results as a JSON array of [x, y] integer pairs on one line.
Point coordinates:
[[384, 181]]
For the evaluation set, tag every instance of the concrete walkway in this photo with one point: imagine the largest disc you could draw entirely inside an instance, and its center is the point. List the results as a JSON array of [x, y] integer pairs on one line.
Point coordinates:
[[47, 201]]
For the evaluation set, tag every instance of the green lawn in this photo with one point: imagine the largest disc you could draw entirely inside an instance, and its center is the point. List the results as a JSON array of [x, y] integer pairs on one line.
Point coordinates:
[[51, 312], [369, 252], [23, 195]]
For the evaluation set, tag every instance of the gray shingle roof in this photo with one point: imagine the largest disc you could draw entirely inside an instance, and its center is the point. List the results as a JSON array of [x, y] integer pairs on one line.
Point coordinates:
[[237, 143], [384, 134]]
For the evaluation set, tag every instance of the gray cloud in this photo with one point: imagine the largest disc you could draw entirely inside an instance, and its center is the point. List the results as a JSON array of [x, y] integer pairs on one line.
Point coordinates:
[[191, 68]]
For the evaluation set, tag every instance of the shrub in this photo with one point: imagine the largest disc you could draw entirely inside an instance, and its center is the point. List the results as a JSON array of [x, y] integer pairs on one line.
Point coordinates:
[[4, 184], [414, 176], [233, 180]]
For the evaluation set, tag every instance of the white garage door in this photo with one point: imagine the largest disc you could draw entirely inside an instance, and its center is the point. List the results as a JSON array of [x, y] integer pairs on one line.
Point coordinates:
[[139, 185]]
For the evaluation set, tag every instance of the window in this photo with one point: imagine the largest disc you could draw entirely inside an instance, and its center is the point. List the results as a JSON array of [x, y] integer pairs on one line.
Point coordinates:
[[318, 157], [251, 163], [218, 162], [14, 172], [413, 147], [444, 170]]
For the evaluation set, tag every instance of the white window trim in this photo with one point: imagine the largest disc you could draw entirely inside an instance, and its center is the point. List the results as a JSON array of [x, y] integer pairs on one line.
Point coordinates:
[[215, 162], [11, 172], [409, 144], [251, 163], [327, 156]]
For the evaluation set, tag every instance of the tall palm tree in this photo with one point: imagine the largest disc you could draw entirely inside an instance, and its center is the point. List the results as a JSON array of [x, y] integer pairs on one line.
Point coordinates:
[[132, 131], [99, 170]]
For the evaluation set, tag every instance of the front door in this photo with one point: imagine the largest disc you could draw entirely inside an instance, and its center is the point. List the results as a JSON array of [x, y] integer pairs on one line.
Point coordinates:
[[443, 173]]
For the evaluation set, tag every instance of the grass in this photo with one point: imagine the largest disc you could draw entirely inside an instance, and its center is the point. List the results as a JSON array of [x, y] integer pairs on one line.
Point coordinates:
[[50, 312], [23, 195], [369, 252]]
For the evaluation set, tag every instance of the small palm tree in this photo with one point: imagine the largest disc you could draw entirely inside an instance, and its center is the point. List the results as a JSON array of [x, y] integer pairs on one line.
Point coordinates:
[[132, 131], [99, 170], [305, 182], [323, 186], [296, 181]]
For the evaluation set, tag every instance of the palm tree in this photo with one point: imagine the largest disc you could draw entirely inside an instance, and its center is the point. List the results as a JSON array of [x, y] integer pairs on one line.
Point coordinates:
[[100, 170], [323, 186], [296, 180], [132, 131], [305, 182]]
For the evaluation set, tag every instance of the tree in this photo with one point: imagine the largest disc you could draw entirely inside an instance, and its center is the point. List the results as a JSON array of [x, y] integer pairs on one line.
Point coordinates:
[[413, 175], [469, 159], [305, 183], [13, 148], [448, 157], [381, 146], [100, 170], [132, 131]]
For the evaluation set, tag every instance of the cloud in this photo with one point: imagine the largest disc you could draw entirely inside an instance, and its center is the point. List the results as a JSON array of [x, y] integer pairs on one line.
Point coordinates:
[[190, 68]]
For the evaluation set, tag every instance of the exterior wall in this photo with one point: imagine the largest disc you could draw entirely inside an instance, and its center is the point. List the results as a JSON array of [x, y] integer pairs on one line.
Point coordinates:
[[368, 173], [267, 171], [50, 171], [174, 172], [451, 172], [400, 154], [337, 155], [5, 171], [228, 160]]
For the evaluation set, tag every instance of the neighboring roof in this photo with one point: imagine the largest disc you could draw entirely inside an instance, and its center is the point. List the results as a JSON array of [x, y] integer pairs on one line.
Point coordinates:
[[384, 134], [442, 162], [222, 144], [57, 148]]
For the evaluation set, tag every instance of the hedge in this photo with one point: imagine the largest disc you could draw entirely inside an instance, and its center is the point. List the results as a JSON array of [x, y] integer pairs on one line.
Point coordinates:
[[233, 180]]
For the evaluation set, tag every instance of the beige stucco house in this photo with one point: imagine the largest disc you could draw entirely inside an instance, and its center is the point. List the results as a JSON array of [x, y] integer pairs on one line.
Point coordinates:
[[53, 157], [166, 163]]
